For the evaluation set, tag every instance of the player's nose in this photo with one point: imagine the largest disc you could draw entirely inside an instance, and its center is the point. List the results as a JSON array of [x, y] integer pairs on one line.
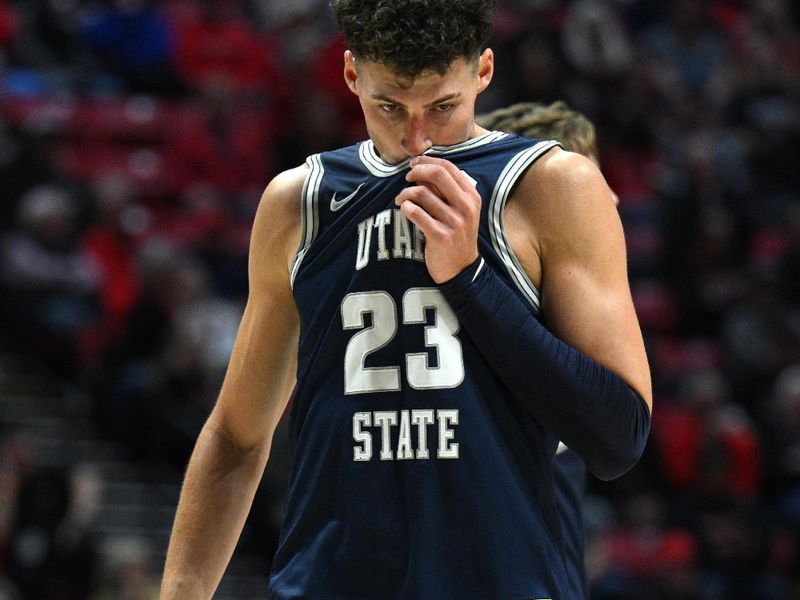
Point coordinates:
[[416, 139]]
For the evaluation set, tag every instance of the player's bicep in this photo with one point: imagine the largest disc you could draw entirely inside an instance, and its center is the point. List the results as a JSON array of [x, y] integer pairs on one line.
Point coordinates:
[[595, 314], [586, 298]]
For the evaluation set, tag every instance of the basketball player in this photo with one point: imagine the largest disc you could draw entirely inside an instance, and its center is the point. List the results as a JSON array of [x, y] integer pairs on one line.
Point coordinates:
[[575, 133], [395, 289]]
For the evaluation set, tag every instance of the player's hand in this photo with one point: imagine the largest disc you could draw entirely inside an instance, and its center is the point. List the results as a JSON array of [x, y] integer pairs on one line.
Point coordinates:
[[445, 205]]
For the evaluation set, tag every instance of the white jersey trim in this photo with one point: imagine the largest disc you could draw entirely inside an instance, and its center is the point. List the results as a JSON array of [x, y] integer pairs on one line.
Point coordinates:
[[380, 168], [309, 212], [505, 183]]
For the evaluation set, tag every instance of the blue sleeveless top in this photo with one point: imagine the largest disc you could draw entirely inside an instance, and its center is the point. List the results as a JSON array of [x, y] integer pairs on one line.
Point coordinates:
[[414, 473]]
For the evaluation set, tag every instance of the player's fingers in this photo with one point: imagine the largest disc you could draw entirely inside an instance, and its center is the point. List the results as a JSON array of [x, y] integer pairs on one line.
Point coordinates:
[[439, 178], [432, 203], [439, 175], [429, 226], [455, 174]]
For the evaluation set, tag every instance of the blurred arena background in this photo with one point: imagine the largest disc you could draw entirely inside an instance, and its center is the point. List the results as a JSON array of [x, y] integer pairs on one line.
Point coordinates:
[[135, 139]]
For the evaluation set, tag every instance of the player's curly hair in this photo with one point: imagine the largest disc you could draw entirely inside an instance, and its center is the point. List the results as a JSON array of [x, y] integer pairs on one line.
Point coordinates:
[[555, 121], [414, 36]]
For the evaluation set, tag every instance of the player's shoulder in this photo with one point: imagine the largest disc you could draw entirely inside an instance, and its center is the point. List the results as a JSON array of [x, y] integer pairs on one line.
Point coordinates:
[[565, 183], [564, 196], [281, 200], [285, 188], [276, 229], [560, 170]]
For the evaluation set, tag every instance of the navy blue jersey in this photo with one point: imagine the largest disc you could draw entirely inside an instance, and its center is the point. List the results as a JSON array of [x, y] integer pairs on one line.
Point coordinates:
[[570, 476], [415, 473]]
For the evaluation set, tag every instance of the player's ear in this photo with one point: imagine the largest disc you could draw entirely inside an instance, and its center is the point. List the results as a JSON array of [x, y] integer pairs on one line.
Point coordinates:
[[485, 69], [350, 72]]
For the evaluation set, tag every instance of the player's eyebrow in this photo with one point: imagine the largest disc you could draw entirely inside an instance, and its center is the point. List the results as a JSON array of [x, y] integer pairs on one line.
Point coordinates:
[[444, 99], [436, 102]]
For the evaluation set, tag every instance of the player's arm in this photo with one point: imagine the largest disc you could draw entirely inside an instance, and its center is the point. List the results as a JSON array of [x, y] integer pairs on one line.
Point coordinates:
[[585, 295], [593, 392], [230, 454]]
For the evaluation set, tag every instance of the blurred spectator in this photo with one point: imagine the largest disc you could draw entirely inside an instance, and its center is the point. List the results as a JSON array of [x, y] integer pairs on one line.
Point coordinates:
[[200, 339], [216, 42], [734, 551], [707, 444], [688, 43], [127, 570], [783, 439], [52, 282], [28, 157], [8, 591], [158, 383], [790, 261], [538, 71], [110, 240], [218, 233], [325, 114], [708, 277], [129, 371], [134, 40], [224, 142], [594, 38], [8, 26], [300, 29], [51, 554], [16, 463], [48, 40], [646, 558], [762, 335]]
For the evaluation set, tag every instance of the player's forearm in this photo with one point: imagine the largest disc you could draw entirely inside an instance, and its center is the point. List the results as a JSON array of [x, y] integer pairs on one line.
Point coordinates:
[[588, 406], [216, 497]]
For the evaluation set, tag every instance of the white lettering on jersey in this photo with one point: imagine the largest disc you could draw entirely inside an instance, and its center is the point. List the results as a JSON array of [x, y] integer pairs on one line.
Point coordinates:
[[381, 221], [404, 451], [406, 422], [402, 235], [422, 418], [447, 448], [419, 243], [363, 452], [364, 238], [386, 420], [407, 240]]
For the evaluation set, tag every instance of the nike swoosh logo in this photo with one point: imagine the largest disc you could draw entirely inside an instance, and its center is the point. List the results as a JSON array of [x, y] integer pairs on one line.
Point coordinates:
[[337, 204]]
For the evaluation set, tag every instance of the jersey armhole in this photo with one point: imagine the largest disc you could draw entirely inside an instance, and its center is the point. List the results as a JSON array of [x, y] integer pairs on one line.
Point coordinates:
[[309, 211], [506, 183]]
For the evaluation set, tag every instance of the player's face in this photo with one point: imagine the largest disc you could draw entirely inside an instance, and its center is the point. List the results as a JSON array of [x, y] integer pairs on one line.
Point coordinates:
[[404, 118]]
